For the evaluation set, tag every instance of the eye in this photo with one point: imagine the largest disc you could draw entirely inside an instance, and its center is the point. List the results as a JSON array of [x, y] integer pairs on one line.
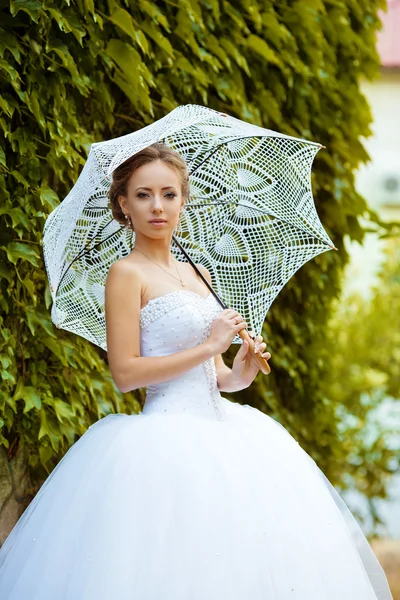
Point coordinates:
[[141, 194], [170, 194]]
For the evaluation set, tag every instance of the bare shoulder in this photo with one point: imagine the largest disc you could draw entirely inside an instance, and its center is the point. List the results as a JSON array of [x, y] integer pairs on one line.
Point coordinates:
[[204, 272], [121, 267]]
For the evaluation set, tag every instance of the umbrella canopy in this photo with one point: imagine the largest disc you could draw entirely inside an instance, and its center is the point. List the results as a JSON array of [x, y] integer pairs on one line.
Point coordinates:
[[250, 218]]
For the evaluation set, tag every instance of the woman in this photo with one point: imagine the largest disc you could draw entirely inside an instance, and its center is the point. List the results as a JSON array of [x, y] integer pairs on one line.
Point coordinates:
[[195, 498]]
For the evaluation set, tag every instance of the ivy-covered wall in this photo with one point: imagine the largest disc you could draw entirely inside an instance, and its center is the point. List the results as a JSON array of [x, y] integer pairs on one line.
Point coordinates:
[[81, 71]]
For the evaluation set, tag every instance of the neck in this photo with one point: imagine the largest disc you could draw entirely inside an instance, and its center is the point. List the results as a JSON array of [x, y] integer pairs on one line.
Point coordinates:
[[159, 250]]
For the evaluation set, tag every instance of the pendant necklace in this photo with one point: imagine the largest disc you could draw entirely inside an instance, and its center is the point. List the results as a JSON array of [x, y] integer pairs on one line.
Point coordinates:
[[175, 261]]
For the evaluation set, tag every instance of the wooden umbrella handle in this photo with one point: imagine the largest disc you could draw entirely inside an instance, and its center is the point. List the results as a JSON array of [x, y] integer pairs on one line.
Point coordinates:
[[261, 362]]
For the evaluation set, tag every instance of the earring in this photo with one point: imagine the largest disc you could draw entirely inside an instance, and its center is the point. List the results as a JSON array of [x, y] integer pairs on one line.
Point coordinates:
[[177, 229], [129, 224]]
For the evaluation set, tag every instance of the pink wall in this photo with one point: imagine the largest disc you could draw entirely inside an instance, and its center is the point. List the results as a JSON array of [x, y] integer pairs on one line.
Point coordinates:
[[389, 35]]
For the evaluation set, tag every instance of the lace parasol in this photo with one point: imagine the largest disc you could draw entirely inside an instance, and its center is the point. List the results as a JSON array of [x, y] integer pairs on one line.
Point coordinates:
[[250, 218]]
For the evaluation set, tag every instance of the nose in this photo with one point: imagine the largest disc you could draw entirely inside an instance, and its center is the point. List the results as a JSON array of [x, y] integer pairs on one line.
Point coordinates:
[[157, 204]]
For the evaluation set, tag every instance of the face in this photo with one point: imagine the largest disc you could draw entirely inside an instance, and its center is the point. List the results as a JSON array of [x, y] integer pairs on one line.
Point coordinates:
[[154, 199]]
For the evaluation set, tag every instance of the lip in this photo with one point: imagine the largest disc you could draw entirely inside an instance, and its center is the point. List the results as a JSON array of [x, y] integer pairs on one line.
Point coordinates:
[[157, 221]]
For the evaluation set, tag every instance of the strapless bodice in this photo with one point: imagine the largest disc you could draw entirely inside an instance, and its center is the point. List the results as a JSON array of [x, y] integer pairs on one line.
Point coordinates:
[[172, 323]]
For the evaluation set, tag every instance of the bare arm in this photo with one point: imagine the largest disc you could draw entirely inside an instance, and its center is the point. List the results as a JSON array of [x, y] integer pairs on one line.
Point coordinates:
[[122, 309]]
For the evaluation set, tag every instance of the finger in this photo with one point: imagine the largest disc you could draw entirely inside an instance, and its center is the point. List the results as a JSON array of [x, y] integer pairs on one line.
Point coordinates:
[[258, 345], [238, 319], [252, 334], [266, 355], [244, 348], [230, 312]]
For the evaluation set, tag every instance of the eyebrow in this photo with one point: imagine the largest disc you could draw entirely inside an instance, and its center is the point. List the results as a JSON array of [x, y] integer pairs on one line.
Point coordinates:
[[141, 187]]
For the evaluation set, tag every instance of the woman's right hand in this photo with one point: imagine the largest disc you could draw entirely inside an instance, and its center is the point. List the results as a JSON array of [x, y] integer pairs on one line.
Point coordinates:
[[226, 325]]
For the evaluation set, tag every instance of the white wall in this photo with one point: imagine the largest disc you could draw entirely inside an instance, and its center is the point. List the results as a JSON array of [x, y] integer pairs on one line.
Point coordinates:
[[379, 180]]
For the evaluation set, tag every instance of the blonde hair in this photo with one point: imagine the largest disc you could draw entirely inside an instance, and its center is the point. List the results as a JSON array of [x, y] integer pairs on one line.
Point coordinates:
[[123, 173]]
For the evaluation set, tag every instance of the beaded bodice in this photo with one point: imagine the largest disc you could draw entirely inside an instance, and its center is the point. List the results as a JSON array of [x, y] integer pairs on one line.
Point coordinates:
[[172, 323]]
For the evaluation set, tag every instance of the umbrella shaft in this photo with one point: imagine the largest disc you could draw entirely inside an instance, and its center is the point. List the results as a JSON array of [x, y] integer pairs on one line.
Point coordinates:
[[199, 272]]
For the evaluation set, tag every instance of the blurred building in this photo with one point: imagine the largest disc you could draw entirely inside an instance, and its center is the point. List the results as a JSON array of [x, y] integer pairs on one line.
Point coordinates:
[[379, 181]]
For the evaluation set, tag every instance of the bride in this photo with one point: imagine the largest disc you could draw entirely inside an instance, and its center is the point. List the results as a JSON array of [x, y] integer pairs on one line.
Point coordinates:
[[196, 497]]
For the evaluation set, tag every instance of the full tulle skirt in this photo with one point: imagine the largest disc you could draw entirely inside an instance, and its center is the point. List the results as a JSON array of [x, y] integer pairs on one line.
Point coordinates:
[[184, 507]]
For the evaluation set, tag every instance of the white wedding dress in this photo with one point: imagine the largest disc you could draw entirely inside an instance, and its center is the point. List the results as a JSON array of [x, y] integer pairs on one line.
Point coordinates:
[[196, 498]]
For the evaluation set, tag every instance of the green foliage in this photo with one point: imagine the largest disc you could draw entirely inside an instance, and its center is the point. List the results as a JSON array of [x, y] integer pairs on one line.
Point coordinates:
[[77, 72], [365, 337], [363, 341]]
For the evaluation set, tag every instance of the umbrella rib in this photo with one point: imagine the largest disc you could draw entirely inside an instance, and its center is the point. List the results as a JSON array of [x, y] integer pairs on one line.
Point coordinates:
[[86, 250]]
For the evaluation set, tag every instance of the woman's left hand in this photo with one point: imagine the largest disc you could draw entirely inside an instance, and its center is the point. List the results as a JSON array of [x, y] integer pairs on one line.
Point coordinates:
[[244, 368]]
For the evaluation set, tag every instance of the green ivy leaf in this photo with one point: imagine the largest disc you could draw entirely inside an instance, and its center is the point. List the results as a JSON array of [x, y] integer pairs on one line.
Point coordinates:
[[17, 215], [7, 377], [68, 24], [45, 453], [48, 197], [49, 427], [8, 42], [157, 15], [260, 46], [20, 178], [158, 38], [19, 250], [125, 22], [63, 410], [129, 61], [32, 399], [32, 7]]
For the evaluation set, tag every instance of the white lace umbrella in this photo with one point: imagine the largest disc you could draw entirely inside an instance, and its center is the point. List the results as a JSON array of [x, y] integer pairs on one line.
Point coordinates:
[[250, 218]]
